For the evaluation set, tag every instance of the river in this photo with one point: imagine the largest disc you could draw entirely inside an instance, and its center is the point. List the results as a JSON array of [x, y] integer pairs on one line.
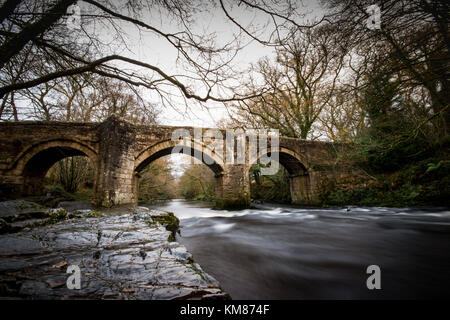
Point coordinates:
[[288, 252]]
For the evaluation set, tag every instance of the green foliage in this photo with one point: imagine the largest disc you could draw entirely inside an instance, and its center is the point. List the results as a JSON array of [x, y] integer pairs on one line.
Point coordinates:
[[58, 192], [197, 183], [273, 188], [205, 197], [413, 184], [83, 195], [405, 155], [433, 167], [156, 182], [373, 196], [386, 145], [70, 179], [72, 173]]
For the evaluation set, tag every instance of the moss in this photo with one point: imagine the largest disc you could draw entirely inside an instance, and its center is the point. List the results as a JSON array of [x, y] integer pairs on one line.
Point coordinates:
[[94, 214], [196, 271], [169, 221], [151, 223], [57, 215], [237, 203], [172, 237]]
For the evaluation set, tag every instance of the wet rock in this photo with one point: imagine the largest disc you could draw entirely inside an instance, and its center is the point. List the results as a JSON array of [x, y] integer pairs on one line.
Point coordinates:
[[217, 296], [86, 213], [143, 254], [142, 210], [29, 223], [71, 206], [16, 210], [120, 257], [56, 215], [18, 215], [4, 227], [96, 255]]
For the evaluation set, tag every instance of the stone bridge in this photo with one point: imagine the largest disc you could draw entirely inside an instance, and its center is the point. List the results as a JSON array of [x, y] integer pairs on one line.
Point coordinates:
[[120, 150]]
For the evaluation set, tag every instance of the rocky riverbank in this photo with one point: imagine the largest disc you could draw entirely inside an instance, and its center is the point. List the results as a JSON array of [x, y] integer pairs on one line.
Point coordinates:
[[125, 254]]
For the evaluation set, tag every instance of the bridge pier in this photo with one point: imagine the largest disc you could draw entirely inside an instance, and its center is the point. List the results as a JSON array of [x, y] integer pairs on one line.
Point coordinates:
[[233, 188], [116, 180], [303, 188]]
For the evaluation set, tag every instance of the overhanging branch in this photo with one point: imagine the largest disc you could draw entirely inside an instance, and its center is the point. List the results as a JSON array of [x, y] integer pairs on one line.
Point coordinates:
[[92, 67]]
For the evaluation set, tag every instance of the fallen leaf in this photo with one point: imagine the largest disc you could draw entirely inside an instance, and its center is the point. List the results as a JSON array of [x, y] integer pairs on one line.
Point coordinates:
[[126, 290], [60, 264], [57, 284]]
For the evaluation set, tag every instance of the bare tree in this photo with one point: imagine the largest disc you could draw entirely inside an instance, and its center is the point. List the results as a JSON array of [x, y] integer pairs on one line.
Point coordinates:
[[343, 117], [156, 181], [197, 182], [39, 26], [297, 87], [412, 39]]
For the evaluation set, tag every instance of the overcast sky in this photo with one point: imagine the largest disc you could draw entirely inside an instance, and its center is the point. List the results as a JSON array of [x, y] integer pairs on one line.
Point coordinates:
[[145, 47]]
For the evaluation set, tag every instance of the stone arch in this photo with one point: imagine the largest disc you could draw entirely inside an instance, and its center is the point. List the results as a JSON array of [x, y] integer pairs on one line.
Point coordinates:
[[160, 149], [299, 175], [34, 162], [194, 149], [294, 163]]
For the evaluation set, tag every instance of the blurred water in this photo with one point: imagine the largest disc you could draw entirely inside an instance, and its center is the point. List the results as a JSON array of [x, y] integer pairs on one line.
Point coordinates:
[[284, 252]]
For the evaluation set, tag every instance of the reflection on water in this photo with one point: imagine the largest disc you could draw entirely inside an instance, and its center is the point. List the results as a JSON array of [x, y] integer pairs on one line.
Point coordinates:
[[283, 252]]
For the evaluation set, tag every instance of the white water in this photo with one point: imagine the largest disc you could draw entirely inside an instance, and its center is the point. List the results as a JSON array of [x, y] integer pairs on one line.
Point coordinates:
[[285, 252]]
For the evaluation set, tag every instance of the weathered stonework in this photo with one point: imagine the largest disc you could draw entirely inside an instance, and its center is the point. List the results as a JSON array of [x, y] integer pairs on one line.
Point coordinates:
[[120, 150], [116, 161]]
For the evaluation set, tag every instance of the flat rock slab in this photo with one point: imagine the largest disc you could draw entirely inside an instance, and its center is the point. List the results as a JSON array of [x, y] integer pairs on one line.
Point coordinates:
[[76, 205], [120, 257], [19, 209]]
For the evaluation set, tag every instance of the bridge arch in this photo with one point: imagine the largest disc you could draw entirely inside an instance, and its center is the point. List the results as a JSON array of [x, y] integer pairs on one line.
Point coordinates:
[[192, 148], [34, 162], [299, 173], [200, 151], [295, 163]]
